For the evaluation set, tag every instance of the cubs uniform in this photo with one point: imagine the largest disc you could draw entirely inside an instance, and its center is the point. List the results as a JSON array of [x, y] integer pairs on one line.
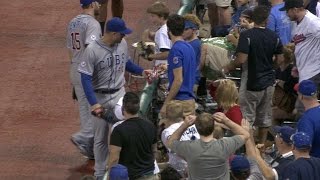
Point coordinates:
[[105, 66], [81, 31]]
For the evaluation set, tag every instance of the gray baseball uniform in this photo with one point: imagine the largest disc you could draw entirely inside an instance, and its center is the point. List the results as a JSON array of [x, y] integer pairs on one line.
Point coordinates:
[[106, 65], [81, 31]]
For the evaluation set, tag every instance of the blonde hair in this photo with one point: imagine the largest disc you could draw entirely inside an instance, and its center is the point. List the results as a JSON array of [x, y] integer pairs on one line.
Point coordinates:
[[193, 18], [174, 111], [160, 9], [288, 54], [227, 94]]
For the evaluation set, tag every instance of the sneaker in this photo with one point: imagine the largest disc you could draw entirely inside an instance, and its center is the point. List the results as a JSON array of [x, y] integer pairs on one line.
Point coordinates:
[[83, 148]]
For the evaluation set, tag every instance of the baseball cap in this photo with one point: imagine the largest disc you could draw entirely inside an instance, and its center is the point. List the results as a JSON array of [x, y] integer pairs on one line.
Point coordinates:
[[285, 132], [118, 172], [306, 88], [239, 163], [291, 4], [190, 25], [247, 13], [86, 2], [301, 140], [117, 24]]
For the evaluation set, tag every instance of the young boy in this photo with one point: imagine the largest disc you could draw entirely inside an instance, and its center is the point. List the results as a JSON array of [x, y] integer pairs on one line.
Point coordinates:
[[159, 13], [174, 120], [191, 29]]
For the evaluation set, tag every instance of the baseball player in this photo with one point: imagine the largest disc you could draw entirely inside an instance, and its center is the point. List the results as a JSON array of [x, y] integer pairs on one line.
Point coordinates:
[[102, 74], [81, 31]]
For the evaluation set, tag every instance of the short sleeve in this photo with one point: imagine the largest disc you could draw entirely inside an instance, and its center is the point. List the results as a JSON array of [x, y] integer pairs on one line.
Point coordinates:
[[235, 115], [93, 32], [86, 65], [271, 22], [243, 43], [116, 138], [279, 46], [163, 41], [231, 144], [304, 125], [175, 59]]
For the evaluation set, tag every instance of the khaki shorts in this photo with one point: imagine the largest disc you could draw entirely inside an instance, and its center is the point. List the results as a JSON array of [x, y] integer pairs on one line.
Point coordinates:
[[256, 106], [188, 106], [220, 3]]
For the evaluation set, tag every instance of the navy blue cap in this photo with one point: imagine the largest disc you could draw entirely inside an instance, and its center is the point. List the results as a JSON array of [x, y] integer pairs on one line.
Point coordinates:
[[117, 25], [86, 2], [291, 4], [306, 88], [239, 163], [190, 25], [118, 172], [285, 132], [301, 140]]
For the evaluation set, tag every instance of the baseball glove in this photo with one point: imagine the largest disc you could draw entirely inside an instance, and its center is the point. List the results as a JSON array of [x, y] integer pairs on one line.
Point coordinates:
[[145, 50]]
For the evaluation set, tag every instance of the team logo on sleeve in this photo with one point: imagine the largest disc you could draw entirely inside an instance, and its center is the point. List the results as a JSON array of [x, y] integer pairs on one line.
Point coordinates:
[[93, 37], [83, 64], [175, 60]]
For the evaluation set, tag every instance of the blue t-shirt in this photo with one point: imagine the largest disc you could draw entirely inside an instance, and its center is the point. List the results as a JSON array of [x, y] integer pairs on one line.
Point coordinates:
[[309, 123], [280, 23], [182, 55], [303, 169], [196, 44]]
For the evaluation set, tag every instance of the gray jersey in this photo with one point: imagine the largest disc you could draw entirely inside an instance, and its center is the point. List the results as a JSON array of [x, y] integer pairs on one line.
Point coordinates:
[[82, 30], [106, 65]]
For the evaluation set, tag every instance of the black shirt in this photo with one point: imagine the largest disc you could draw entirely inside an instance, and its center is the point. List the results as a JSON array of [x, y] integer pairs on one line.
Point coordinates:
[[260, 44], [281, 163], [135, 137]]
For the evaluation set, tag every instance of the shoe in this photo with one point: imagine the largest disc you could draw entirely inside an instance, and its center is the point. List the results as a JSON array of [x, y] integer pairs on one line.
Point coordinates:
[[83, 148]]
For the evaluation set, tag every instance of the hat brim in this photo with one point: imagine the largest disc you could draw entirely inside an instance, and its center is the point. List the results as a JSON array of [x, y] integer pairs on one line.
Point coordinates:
[[126, 31], [276, 129], [283, 9]]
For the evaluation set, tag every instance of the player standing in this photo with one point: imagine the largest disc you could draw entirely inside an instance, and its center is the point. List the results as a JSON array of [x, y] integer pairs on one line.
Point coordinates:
[[102, 75], [82, 30]]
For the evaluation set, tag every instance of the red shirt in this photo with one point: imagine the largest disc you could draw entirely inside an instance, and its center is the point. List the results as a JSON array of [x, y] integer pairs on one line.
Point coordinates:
[[234, 114]]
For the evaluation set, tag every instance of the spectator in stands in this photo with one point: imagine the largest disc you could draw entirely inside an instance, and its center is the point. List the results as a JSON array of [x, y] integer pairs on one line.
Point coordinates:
[[279, 22], [174, 121], [284, 96], [285, 157], [133, 142], [208, 157], [190, 34], [227, 97], [306, 37], [242, 5], [255, 52], [118, 172], [309, 122], [305, 166]]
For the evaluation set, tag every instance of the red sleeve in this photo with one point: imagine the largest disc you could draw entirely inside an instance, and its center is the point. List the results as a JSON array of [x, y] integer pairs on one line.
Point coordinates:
[[234, 114]]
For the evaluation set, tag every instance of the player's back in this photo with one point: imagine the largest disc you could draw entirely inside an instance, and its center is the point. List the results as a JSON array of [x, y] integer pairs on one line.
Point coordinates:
[[82, 30]]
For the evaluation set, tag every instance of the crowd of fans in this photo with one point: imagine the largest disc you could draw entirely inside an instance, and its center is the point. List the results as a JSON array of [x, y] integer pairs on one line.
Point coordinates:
[[277, 48]]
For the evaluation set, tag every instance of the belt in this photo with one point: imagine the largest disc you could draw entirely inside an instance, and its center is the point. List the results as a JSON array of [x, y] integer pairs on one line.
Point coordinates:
[[106, 91]]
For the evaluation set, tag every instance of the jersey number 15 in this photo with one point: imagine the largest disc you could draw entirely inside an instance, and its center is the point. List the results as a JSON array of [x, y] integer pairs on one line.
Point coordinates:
[[75, 41]]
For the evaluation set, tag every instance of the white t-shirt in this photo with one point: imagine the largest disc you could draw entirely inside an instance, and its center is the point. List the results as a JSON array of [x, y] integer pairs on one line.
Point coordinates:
[[162, 41], [306, 36], [190, 134]]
